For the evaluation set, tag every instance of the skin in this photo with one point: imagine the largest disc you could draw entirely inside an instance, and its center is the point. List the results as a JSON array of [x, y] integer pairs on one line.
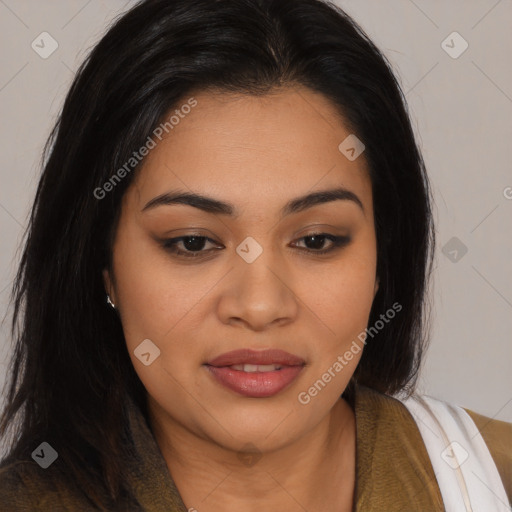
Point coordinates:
[[256, 153]]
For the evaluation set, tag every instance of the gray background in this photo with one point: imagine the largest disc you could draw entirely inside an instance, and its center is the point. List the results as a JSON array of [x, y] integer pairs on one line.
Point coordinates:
[[461, 110]]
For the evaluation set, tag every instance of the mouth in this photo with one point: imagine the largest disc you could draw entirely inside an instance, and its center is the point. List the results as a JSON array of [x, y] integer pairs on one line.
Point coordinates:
[[253, 368], [255, 374], [256, 357]]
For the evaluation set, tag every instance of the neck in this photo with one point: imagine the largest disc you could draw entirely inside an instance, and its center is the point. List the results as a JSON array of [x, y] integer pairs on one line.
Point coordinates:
[[315, 472]]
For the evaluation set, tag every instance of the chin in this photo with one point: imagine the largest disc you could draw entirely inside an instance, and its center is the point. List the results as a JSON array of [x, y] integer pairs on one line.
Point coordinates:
[[266, 431]]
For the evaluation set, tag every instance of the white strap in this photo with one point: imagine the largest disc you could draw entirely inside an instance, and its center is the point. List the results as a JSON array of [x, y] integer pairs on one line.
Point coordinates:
[[465, 470]]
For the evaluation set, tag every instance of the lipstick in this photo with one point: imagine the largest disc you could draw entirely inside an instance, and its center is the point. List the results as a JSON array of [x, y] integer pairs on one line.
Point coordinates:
[[255, 374]]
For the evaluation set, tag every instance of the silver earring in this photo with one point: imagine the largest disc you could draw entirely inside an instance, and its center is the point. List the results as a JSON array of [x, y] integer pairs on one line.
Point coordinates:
[[109, 301]]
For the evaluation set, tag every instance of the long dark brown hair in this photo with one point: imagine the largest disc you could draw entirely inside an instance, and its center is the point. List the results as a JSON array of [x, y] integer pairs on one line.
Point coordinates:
[[70, 368]]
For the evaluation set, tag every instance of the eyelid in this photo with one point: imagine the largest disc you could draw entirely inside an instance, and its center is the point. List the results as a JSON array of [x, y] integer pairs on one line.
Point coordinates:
[[171, 242], [337, 242]]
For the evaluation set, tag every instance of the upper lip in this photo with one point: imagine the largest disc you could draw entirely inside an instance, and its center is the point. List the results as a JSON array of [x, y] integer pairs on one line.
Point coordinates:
[[248, 356]]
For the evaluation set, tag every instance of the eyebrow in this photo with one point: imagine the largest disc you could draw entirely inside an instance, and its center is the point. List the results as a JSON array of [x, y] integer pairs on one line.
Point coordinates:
[[215, 206]]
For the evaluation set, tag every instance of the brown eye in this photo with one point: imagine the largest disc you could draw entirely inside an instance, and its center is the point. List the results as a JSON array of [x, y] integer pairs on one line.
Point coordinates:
[[315, 242], [193, 245]]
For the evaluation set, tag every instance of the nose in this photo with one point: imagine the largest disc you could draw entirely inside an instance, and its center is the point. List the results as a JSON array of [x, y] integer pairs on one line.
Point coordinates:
[[259, 294]]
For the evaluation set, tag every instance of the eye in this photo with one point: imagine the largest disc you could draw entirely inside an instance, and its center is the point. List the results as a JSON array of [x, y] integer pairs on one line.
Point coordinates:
[[315, 241], [193, 245]]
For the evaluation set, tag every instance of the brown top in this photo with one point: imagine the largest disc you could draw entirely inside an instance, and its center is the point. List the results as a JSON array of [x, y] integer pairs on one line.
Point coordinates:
[[393, 470]]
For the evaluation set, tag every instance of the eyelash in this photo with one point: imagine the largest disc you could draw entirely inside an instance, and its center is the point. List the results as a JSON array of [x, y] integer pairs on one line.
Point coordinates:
[[170, 245]]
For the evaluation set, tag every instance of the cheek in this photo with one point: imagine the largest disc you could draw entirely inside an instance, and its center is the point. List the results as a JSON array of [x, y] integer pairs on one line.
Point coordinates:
[[344, 294], [343, 305], [154, 294], [155, 301], [167, 304]]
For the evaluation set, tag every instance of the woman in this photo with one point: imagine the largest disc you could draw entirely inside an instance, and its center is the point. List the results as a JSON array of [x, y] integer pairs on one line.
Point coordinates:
[[223, 281]]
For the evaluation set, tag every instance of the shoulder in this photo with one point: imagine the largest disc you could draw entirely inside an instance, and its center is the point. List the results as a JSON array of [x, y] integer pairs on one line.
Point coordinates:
[[18, 492], [497, 435], [24, 487], [386, 431], [389, 411], [383, 408]]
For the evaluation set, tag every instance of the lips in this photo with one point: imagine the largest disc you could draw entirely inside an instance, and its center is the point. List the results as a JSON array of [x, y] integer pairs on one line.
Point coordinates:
[[255, 374], [264, 357]]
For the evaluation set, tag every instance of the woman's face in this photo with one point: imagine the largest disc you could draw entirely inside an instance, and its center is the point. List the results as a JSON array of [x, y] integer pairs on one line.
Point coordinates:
[[250, 283]]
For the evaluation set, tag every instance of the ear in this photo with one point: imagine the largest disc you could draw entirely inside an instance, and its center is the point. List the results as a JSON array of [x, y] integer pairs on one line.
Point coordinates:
[[376, 289], [107, 283]]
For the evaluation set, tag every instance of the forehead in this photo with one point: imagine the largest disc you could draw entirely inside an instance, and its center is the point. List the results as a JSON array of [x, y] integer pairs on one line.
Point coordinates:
[[253, 148]]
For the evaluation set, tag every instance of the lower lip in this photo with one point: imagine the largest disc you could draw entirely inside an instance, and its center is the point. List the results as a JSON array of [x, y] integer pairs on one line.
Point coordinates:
[[255, 384]]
